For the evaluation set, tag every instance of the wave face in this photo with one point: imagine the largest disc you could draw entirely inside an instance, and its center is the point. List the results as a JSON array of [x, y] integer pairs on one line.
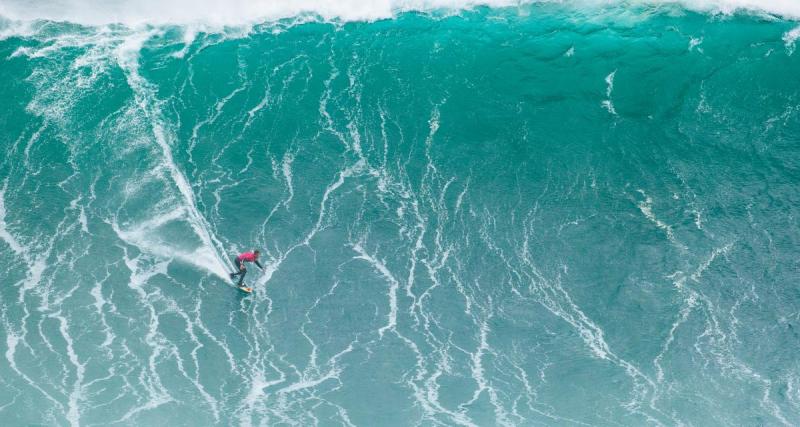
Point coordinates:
[[540, 215]]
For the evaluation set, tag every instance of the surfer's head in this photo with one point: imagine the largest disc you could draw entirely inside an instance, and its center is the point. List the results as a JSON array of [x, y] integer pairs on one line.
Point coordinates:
[[256, 252]]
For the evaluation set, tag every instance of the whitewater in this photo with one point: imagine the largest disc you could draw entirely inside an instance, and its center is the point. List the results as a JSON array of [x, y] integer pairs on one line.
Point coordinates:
[[470, 213]]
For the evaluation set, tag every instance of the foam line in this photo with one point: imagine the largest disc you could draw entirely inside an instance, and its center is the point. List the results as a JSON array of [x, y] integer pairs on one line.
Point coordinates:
[[646, 207], [157, 394], [190, 325], [393, 285], [5, 236], [11, 343], [76, 395], [608, 104], [99, 303], [479, 377]]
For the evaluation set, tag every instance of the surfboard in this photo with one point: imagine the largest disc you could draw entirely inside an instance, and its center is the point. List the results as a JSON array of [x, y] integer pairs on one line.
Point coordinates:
[[241, 288]]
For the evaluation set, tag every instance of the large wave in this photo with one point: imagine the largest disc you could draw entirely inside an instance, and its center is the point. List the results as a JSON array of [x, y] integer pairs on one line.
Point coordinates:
[[522, 215]]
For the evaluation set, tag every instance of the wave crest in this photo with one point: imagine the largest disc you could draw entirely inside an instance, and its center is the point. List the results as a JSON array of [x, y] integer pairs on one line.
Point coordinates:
[[218, 13]]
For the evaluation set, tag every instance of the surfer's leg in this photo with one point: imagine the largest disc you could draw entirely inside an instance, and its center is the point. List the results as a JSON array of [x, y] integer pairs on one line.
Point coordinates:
[[241, 277], [235, 267]]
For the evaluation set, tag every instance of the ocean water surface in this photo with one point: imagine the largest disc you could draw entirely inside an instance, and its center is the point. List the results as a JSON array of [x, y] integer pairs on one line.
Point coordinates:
[[514, 214]]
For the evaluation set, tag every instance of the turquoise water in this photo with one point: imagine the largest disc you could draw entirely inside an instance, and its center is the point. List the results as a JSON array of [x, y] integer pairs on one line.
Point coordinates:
[[541, 215]]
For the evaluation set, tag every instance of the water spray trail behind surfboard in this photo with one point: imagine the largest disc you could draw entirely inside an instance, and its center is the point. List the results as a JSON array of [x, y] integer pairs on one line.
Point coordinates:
[[209, 254], [169, 225]]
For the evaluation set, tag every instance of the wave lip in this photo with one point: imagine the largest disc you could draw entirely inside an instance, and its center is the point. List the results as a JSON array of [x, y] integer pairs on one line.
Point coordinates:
[[218, 13], [221, 12]]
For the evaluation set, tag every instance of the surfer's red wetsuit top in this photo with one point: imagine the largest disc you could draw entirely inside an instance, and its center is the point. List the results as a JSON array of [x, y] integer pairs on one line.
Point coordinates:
[[247, 256]]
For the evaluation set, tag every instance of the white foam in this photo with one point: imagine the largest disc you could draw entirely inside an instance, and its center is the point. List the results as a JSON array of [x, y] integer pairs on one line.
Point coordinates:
[[83, 221], [393, 285], [4, 234], [212, 403], [100, 302], [147, 240], [714, 254], [785, 8], [76, 395], [501, 416], [12, 340], [258, 384], [608, 104], [286, 167], [18, 29], [789, 39], [219, 13], [646, 206], [694, 42]]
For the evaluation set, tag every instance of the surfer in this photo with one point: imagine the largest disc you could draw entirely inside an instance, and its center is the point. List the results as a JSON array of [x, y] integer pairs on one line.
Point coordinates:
[[242, 269]]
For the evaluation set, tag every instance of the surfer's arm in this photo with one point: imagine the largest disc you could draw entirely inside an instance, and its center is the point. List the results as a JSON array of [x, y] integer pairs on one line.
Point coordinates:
[[259, 264]]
